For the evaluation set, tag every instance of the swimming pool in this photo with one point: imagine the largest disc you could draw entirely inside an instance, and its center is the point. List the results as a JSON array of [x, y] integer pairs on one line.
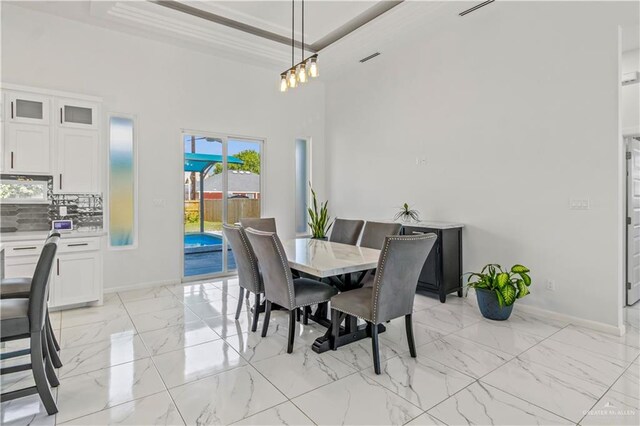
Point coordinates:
[[197, 240]]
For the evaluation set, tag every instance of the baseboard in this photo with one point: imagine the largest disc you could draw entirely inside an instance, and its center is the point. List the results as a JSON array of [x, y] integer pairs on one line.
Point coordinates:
[[593, 325], [139, 286]]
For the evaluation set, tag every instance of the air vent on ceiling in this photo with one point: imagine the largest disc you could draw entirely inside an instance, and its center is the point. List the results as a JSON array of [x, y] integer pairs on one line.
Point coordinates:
[[476, 7], [365, 59]]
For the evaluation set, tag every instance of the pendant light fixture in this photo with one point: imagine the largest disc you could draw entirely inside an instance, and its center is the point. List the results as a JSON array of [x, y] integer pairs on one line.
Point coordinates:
[[300, 72]]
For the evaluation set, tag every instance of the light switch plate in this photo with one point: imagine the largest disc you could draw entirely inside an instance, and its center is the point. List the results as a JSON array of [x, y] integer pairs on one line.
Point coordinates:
[[579, 204], [63, 211]]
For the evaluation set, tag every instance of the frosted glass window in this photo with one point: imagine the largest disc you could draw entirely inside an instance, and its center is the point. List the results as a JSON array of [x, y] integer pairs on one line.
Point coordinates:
[[80, 115], [121, 183], [302, 185], [29, 109]]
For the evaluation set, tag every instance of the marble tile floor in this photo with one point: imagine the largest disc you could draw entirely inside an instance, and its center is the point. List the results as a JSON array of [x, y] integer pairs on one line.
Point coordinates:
[[175, 355]]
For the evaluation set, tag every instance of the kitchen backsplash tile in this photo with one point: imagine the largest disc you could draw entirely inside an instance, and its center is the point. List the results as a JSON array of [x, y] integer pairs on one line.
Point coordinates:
[[86, 210]]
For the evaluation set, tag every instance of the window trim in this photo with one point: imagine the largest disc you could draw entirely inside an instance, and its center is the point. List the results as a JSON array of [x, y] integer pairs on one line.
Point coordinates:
[[309, 183]]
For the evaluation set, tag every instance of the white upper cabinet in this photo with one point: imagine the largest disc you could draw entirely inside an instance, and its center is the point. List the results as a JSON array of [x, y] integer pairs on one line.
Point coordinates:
[[27, 148], [77, 165], [77, 114], [27, 108]]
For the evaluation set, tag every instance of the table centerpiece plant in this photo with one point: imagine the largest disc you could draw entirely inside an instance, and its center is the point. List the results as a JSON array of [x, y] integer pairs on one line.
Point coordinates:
[[407, 214], [497, 289], [319, 220]]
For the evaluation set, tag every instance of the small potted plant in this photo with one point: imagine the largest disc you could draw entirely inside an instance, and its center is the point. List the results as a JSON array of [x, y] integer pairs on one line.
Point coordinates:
[[497, 290], [407, 214], [319, 220]]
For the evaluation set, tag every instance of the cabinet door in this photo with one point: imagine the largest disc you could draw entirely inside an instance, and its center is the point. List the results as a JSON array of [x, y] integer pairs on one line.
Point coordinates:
[[77, 114], [77, 168], [27, 108], [27, 148], [76, 278], [20, 266]]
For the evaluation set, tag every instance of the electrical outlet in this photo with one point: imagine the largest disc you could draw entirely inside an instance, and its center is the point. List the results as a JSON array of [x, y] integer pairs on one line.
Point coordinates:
[[63, 211], [158, 202], [421, 161], [579, 204], [551, 285]]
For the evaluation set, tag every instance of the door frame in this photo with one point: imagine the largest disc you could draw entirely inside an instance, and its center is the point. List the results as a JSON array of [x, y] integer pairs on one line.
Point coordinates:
[[627, 140], [224, 137]]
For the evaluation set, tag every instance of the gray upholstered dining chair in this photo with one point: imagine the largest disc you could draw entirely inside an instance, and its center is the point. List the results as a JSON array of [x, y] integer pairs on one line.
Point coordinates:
[[279, 285], [265, 224], [392, 293], [373, 236], [20, 288], [249, 275], [25, 318], [346, 231]]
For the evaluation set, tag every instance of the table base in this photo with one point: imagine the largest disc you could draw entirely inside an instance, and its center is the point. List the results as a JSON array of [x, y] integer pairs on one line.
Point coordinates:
[[350, 333]]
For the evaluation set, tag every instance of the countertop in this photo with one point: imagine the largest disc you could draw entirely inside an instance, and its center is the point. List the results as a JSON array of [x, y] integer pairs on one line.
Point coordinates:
[[427, 224], [7, 237]]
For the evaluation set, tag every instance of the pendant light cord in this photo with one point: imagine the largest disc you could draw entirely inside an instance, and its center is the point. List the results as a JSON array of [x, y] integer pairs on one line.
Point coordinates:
[[293, 20], [302, 31]]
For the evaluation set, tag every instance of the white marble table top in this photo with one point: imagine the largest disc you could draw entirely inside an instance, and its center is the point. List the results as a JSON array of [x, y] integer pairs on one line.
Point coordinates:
[[326, 259]]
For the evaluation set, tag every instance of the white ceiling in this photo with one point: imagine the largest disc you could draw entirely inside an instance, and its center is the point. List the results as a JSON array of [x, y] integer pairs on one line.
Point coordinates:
[[160, 23]]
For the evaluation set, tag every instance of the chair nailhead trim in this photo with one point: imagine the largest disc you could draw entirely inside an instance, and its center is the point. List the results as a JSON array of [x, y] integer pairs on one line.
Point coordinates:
[[254, 262]]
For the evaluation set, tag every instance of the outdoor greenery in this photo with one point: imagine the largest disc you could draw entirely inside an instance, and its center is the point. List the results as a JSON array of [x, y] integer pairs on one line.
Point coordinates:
[[319, 220], [208, 226], [191, 216], [507, 286], [406, 214], [251, 162]]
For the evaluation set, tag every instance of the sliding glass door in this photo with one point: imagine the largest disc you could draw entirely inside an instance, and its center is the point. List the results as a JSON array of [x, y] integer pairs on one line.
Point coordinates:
[[222, 183]]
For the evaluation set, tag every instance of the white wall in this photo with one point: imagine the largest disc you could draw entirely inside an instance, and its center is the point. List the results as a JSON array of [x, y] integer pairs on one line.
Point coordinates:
[[631, 94], [168, 88], [515, 108]]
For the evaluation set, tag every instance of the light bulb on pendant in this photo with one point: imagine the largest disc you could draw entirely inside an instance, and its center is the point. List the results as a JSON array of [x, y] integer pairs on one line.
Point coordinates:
[[302, 73], [283, 83], [291, 77], [313, 67]]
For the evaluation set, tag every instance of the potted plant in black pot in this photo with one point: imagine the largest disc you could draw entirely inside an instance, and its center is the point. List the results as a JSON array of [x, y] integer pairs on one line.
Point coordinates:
[[319, 219], [497, 290]]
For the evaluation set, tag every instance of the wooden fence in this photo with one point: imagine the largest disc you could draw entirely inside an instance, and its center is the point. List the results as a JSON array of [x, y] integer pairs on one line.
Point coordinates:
[[238, 207]]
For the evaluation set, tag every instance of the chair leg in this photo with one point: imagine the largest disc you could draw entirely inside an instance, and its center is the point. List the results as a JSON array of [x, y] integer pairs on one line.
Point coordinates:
[[408, 322], [305, 315], [39, 375], [48, 366], [374, 347], [240, 301], [55, 359], [297, 314], [267, 315], [335, 328], [292, 330], [247, 296], [53, 336], [256, 313]]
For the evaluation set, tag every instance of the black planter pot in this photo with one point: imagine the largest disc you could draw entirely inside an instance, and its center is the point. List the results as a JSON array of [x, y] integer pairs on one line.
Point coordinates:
[[490, 307], [321, 239]]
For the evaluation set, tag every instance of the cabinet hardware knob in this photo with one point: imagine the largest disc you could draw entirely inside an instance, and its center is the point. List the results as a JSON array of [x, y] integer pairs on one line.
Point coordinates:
[[12, 159], [60, 181], [11, 109], [57, 266], [60, 115]]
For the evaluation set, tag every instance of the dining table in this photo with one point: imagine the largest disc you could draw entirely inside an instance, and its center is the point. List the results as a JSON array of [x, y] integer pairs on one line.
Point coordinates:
[[326, 260]]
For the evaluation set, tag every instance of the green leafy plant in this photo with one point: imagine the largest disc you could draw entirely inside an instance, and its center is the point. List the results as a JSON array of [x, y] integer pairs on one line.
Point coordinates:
[[191, 217], [319, 219], [406, 214], [507, 286]]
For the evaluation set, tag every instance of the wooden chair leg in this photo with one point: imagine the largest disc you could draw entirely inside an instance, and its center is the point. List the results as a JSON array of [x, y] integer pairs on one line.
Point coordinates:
[[297, 314], [55, 359], [256, 313], [408, 322], [48, 366], [267, 315], [240, 301], [305, 315], [374, 348], [292, 330], [39, 375], [248, 294], [335, 328], [53, 336]]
